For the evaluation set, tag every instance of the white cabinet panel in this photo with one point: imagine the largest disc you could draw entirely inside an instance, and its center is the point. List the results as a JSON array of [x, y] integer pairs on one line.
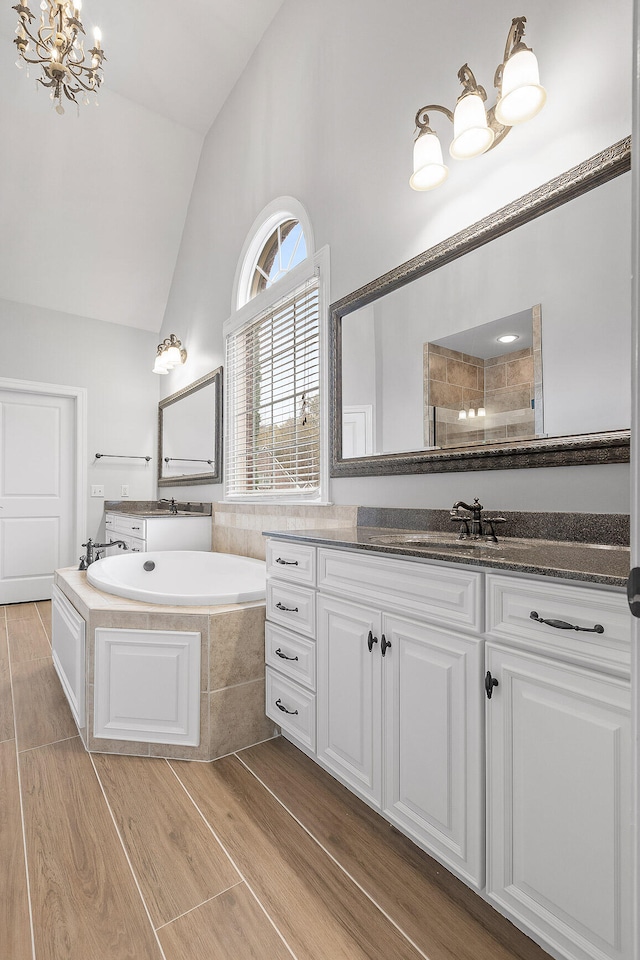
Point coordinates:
[[292, 606], [147, 686], [291, 561], [349, 695], [68, 649], [558, 751], [290, 654], [292, 707], [434, 782]]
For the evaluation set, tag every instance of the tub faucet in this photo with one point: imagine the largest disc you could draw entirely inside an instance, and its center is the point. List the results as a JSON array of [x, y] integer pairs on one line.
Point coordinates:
[[476, 520], [92, 547]]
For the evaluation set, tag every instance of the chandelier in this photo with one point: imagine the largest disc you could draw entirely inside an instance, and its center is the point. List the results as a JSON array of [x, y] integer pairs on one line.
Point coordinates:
[[57, 45], [476, 129]]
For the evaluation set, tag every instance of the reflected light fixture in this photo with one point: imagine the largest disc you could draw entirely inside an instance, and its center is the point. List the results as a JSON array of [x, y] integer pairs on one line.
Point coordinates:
[[57, 45], [476, 129], [507, 338], [170, 354]]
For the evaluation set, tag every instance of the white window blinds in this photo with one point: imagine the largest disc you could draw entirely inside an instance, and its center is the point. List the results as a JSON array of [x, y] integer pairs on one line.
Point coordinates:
[[273, 384]]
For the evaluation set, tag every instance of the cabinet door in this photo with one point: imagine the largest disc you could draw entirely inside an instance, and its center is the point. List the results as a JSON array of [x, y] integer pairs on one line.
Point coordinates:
[[434, 742], [68, 649], [349, 696], [559, 795]]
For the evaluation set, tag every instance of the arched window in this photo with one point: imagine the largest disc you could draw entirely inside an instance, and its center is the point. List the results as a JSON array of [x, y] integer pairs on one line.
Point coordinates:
[[273, 362], [284, 249]]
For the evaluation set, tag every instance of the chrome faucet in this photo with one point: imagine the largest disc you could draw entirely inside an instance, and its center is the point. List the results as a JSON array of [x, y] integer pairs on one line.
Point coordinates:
[[476, 521], [92, 551], [173, 507]]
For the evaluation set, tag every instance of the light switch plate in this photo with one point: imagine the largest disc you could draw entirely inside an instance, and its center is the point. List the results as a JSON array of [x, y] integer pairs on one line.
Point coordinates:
[[97, 490], [124, 490]]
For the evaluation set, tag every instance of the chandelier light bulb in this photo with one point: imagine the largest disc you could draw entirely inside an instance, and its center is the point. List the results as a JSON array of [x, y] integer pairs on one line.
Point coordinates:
[[522, 96], [429, 170], [471, 132]]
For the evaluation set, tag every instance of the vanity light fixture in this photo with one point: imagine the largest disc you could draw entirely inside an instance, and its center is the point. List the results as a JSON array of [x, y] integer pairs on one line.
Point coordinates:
[[170, 354], [476, 129], [480, 412], [57, 45], [508, 338]]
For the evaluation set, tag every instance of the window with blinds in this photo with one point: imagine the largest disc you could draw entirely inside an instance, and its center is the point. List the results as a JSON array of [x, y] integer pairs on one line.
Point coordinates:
[[273, 383]]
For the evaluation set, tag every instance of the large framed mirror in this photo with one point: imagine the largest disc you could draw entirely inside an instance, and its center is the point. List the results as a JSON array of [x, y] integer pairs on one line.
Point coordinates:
[[420, 380], [190, 433]]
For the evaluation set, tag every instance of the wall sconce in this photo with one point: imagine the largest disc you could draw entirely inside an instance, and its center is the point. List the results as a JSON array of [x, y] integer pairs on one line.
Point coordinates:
[[476, 129], [170, 354]]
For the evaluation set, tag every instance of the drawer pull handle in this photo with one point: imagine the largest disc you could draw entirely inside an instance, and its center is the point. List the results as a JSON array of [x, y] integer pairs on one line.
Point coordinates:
[[563, 625], [489, 683], [135, 528], [385, 645], [283, 656], [280, 705], [287, 563], [281, 606], [371, 640]]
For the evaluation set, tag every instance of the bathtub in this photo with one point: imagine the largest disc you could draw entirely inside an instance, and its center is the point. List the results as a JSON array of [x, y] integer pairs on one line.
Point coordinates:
[[180, 577]]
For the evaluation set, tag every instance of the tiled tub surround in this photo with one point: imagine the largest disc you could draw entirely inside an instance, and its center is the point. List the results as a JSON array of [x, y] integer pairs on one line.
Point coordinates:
[[231, 675], [237, 528]]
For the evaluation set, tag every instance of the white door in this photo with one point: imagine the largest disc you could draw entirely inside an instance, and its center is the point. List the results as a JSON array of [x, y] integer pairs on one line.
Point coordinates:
[[558, 789], [349, 695], [434, 741], [39, 529]]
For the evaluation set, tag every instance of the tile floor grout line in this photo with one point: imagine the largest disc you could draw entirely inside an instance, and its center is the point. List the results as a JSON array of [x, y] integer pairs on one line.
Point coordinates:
[[198, 905], [50, 743], [232, 862], [337, 862], [24, 832], [46, 632], [124, 850]]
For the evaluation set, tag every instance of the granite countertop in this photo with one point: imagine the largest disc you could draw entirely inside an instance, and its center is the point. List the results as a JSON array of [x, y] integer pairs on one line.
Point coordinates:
[[568, 560], [152, 508]]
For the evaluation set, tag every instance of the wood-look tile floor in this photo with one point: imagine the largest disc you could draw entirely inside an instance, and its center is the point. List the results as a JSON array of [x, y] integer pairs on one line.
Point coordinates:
[[258, 856]]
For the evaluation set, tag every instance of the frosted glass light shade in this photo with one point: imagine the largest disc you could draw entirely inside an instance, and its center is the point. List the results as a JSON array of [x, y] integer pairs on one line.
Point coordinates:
[[160, 366], [522, 96], [173, 358], [471, 133], [429, 170]]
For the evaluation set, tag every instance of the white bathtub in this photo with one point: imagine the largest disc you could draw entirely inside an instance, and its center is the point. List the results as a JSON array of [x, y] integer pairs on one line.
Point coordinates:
[[182, 577]]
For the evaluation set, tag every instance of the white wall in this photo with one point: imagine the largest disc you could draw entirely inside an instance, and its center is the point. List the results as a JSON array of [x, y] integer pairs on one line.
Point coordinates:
[[114, 363], [324, 112]]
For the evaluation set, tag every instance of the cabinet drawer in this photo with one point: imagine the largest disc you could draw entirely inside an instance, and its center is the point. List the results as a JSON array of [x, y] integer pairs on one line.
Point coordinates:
[[292, 707], [292, 606], [291, 655], [510, 604], [443, 595], [133, 526], [291, 561]]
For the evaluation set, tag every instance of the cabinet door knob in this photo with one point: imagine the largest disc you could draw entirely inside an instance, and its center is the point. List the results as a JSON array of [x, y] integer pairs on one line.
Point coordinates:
[[385, 644], [489, 683], [371, 640], [280, 705]]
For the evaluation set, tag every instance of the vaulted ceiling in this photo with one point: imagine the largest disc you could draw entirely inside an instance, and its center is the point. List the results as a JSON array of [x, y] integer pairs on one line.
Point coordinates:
[[93, 206]]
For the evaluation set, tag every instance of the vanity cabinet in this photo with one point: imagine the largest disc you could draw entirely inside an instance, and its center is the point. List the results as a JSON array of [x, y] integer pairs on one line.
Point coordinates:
[[157, 533], [405, 654], [399, 697], [558, 766]]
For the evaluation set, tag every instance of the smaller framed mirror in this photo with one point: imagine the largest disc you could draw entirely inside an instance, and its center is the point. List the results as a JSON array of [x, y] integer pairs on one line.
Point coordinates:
[[190, 433]]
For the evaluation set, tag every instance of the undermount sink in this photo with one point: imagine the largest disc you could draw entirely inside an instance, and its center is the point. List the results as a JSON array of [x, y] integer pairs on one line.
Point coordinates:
[[439, 540]]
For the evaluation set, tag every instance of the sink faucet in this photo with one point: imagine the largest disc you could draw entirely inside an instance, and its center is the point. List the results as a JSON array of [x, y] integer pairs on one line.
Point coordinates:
[[173, 507], [91, 555], [476, 520]]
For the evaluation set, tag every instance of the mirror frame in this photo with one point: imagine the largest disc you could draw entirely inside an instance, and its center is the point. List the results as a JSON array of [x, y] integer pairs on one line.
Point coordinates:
[[215, 476], [588, 448]]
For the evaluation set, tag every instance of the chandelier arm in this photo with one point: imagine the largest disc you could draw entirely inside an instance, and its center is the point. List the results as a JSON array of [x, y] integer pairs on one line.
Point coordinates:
[[422, 116]]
